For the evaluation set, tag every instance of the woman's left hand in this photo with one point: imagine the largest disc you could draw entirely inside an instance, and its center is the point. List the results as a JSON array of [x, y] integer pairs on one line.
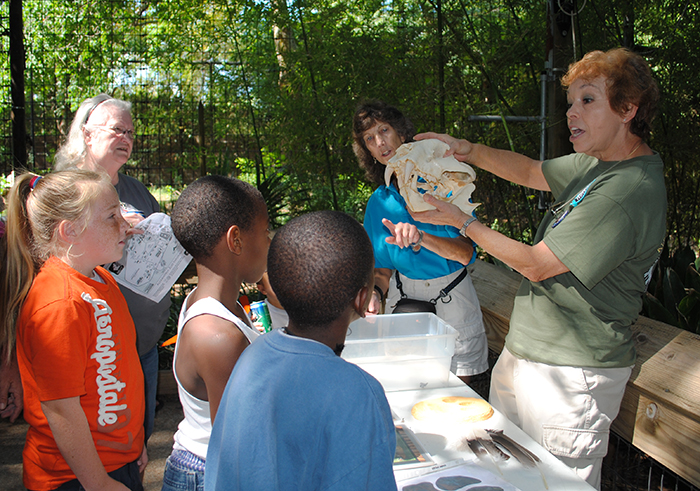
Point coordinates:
[[402, 234], [444, 213], [133, 219]]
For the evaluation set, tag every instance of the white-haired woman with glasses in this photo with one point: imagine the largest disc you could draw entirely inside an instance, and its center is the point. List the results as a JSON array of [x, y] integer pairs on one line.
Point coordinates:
[[101, 138], [569, 352]]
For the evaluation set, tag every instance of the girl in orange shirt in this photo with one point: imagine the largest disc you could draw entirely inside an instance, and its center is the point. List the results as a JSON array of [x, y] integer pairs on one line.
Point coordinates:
[[76, 344]]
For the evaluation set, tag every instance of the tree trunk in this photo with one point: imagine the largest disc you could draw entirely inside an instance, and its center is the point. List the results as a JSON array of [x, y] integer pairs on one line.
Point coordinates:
[[558, 55], [285, 43]]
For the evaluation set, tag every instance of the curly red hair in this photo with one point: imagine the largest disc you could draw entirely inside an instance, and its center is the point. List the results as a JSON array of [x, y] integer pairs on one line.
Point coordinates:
[[629, 82]]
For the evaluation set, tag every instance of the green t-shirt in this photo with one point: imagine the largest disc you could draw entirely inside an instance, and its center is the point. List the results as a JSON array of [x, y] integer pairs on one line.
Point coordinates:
[[610, 242]]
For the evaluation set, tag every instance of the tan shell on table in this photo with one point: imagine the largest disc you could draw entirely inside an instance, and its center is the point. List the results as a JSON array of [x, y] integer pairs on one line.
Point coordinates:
[[454, 409]]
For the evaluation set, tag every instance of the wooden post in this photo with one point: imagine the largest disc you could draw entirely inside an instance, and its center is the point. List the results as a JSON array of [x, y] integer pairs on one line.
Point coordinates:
[[202, 146], [19, 130]]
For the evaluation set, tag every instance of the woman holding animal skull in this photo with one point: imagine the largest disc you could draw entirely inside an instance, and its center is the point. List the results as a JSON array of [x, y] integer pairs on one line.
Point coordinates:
[[569, 352], [425, 259]]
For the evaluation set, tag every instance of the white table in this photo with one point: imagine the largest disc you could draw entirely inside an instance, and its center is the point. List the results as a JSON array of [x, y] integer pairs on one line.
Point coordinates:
[[445, 443]]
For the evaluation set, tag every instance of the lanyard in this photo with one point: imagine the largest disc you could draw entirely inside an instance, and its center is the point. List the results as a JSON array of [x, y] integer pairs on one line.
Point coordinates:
[[557, 212], [573, 204]]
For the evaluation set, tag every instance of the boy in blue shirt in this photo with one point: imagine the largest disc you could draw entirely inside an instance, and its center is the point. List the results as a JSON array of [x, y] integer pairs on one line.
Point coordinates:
[[294, 414]]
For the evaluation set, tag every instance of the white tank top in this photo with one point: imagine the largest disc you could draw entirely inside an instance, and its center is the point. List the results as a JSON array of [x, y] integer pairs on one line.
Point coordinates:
[[193, 432]]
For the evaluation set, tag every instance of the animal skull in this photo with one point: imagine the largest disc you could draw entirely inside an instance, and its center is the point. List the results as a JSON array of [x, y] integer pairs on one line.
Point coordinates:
[[421, 168]]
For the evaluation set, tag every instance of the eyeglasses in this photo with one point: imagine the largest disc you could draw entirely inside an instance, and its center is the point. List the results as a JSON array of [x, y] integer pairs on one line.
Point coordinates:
[[116, 131]]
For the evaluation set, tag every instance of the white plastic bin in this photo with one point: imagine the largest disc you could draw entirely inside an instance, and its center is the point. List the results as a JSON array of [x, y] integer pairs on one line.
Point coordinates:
[[402, 351]]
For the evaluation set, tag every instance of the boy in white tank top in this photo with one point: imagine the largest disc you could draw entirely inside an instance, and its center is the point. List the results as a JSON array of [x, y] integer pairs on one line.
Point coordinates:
[[223, 223]]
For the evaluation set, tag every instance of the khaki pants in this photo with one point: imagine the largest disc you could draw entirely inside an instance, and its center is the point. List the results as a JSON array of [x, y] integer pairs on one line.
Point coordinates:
[[567, 410]]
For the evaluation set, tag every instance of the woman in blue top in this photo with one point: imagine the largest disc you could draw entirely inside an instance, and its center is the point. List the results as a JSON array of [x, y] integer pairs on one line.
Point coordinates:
[[426, 258]]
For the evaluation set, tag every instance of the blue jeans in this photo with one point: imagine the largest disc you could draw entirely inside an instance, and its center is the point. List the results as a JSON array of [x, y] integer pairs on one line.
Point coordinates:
[[183, 472], [149, 365]]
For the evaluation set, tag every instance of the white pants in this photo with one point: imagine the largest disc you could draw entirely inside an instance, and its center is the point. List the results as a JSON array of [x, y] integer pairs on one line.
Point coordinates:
[[460, 310], [568, 410]]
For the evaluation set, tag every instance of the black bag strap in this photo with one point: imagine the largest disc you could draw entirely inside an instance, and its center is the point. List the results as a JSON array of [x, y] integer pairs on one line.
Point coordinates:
[[443, 293], [399, 284]]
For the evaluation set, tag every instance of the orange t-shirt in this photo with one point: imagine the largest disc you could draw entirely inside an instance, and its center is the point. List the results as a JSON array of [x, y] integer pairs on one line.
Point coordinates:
[[75, 338]]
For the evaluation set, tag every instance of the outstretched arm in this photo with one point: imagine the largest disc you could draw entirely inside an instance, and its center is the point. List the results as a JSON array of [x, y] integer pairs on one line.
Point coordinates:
[[453, 248], [536, 263], [511, 166]]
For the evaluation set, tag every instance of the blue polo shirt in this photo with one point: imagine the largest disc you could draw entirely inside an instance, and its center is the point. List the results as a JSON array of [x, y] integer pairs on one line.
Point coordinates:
[[386, 202]]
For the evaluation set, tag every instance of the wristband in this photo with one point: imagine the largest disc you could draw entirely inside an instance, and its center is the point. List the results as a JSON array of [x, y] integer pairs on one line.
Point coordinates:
[[416, 245], [381, 293], [463, 230]]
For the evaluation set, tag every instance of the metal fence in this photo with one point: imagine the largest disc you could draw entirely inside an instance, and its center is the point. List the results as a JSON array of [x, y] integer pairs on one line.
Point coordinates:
[[175, 140], [626, 468], [185, 126], [5, 99]]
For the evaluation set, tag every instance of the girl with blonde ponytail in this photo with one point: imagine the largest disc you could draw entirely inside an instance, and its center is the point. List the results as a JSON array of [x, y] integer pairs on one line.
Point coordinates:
[[75, 340]]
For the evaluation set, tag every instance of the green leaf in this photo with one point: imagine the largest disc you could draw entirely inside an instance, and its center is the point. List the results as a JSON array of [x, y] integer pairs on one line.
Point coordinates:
[[674, 290], [688, 303], [682, 259], [692, 279], [655, 310]]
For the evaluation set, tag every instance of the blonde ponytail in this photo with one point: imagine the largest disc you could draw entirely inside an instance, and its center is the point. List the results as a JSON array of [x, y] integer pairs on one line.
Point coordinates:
[[35, 208]]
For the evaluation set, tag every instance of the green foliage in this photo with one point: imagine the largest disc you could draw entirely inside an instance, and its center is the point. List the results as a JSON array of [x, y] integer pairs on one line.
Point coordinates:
[[6, 182], [165, 195], [674, 290], [260, 88], [276, 192]]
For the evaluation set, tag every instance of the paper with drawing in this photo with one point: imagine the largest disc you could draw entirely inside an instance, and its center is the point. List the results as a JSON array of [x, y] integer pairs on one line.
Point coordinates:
[[152, 261]]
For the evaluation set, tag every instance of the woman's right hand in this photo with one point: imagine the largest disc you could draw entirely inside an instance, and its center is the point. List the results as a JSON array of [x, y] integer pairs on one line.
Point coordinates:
[[459, 148], [444, 213], [402, 234], [375, 304]]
